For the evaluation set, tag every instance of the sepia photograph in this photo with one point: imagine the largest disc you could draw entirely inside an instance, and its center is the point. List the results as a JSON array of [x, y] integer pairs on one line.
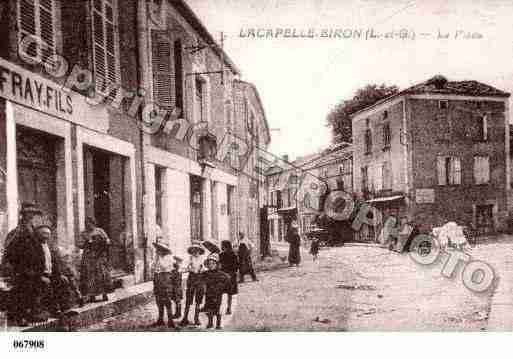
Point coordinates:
[[285, 166]]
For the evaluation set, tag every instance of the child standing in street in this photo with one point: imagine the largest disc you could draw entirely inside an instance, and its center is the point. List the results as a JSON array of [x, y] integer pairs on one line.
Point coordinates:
[[314, 248], [195, 290], [216, 283], [229, 264], [177, 279], [164, 287]]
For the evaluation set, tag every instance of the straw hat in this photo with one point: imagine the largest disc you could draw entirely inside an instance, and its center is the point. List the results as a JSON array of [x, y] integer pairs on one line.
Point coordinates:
[[162, 246]]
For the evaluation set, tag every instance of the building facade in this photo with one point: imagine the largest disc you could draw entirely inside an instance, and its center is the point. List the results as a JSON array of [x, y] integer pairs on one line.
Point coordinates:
[[62, 145], [296, 189], [436, 152], [115, 110]]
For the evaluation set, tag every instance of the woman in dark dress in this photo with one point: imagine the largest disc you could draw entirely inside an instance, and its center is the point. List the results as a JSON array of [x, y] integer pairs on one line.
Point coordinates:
[[294, 244], [230, 265], [245, 261], [95, 267]]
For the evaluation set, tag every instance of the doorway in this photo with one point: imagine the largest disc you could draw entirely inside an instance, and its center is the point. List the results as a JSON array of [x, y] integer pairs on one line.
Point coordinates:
[[105, 200], [37, 167], [484, 219], [196, 208]]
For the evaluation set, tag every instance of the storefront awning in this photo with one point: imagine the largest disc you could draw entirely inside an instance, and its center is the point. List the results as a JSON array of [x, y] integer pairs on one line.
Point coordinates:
[[385, 199]]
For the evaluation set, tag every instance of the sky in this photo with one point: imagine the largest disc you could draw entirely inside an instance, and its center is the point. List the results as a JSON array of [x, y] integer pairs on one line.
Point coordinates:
[[300, 80]]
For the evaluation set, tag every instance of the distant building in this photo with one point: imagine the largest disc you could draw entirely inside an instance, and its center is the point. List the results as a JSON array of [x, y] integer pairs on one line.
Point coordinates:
[[438, 151], [296, 188]]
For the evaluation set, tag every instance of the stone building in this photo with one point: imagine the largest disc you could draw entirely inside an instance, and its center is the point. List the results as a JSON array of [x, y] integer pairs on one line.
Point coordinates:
[[123, 111], [250, 126], [436, 152], [61, 144], [296, 189]]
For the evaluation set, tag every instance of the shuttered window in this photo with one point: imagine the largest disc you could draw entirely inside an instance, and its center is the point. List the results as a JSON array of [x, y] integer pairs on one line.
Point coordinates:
[[162, 72], [387, 175], [37, 18], [449, 170], [105, 49], [481, 169]]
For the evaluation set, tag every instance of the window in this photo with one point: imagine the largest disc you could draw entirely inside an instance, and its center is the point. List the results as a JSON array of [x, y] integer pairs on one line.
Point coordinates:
[[105, 52], [276, 199], [161, 66], [385, 115], [271, 228], [387, 175], [481, 169], [365, 178], [200, 100], [36, 18], [443, 104], [159, 194], [178, 62], [386, 136], [368, 142], [449, 170], [482, 128], [378, 177], [346, 174]]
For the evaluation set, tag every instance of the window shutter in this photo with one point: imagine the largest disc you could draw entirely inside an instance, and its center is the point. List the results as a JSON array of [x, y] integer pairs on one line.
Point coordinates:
[[485, 127], [378, 177], [456, 170], [440, 165], [27, 22], [107, 77], [36, 18], [46, 12], [161, 64], [486, 169]]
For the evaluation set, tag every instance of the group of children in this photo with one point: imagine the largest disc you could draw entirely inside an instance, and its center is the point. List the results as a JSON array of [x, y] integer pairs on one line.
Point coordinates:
[[205, 282]]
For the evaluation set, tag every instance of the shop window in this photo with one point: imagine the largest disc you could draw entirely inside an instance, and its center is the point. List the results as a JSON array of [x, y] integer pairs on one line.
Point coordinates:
[[105, 49], [37, 18]]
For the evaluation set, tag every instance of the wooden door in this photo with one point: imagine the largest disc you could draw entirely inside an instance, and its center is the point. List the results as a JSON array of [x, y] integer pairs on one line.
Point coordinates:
[[36, 164]]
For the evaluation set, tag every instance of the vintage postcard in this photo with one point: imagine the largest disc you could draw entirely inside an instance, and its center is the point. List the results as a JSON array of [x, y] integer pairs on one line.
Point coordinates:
[[255, 166]]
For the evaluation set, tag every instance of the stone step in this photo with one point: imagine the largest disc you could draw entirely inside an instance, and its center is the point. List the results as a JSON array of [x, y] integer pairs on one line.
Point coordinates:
[[121, 301]]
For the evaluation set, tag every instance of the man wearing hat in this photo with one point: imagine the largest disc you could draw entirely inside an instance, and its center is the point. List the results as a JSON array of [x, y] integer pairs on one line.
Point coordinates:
[[195, 290], [14, 257]]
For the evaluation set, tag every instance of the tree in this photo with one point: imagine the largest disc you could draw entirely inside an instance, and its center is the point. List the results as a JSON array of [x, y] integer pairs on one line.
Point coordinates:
[[338, 118]]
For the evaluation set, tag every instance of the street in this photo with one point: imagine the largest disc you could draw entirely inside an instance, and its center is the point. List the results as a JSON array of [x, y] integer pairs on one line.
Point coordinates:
[[352, 288]]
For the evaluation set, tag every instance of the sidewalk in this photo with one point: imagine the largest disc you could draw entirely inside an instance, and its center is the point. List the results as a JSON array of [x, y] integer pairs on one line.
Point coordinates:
[[122, 300]]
